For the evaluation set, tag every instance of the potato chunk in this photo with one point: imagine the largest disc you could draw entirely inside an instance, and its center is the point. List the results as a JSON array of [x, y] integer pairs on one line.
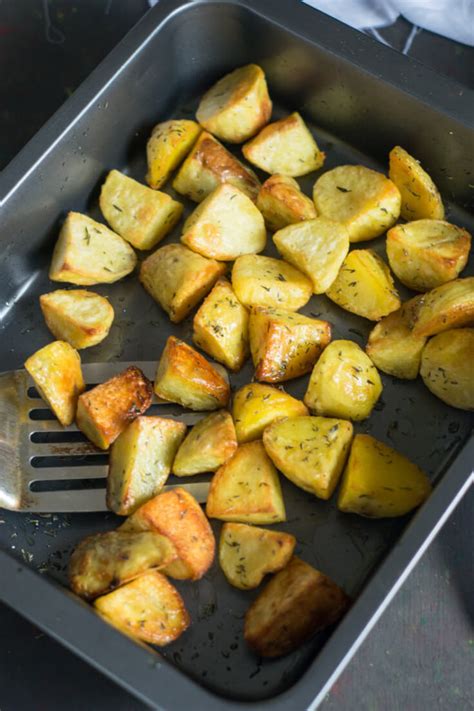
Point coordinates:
[[149, 608], [79, 317], [365, 201], [315, 247], [89, 253], [379, 482], [284, 344], [168, 145], [208, 165], [140, 462], [364, 286], [264, 281], [297, 602], [285, 146], [310, 451], [220, 327], [139, 214], [282, 202], [256, 406], [225, 225], [448, 306], [247, 488], [186, 377], [248, 553], [209, 444], [56, 371], [447, 364], [178, 278], [344, 383], [420, 196], [105, 411], [236, 106]]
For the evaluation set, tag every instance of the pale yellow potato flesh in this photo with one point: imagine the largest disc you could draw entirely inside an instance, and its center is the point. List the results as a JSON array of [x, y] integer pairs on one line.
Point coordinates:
[[282, 202], [420, 196], [168, 145], [80, 317], [447, 367], [265, 281], [447, 306], [208, 445], [257, 405]]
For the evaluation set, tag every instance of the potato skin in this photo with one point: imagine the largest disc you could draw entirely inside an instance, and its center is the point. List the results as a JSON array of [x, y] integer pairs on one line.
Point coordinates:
[[77, 316], [448, 306], [447, 367], [282, 202], [168, 145], [209, 444], [256, 406], [264, 281], [420, 196]]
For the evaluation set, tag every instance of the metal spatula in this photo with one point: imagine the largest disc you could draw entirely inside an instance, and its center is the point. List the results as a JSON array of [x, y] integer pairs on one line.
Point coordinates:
[[50, 468]]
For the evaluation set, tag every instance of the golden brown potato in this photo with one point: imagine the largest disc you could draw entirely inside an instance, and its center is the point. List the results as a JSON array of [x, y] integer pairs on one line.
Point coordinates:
[[447, 367], [236, 106], [256, 406], [284, 344], [186, 377], [364, 286], [105, 411], [344, 383], [80, 317], [315, 247], [178, 278], [264, 281], [56, 371], [379, 482], [140, 462], [282, 202], [248, 553], [285, 146], [209, 444], [297, 602], [168, 145], [365, 201], [420, 196], [247, 488], [448, 306]]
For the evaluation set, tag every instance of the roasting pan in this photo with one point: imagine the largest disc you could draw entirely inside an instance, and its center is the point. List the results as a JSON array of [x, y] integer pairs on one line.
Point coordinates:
[[360, 98]]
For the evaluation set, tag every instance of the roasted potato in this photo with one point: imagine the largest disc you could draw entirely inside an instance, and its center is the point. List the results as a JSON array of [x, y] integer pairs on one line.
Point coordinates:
[[89, 253], [208, 165], [344, 383], [309, 451], [56, 371], [284, 344], [448, 306], [80, 317], [178, 278], [209, 444], [447, 367], [365, 201], [420, 196], [297, 602], [139, 214], [236, 106], [149, 608], [168, 145], [282, 202], [225, 225], [105, 411], [247, 488], [264, 281], [220, 326], [285, 146], [316, 247], [379, 482], [256, 406], [364, 286], [186, 377], [140, 462], [248, 553]]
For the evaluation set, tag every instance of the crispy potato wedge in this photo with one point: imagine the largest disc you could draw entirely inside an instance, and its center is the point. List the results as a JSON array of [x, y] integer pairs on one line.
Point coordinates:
[[256, 406], [89, 253], [448, 306], [282, 202], [285, 344], [80, 317], [168, 145], [310, 451], [56, 372], [248, 553], [447, 364], [297, 602], [225, 225], [364, 286], [178, 278], [285, 146], [186, 377], [247, 488], [420, 196], [264, 281], [365, 201], [148, 608], [208, 445], [316, 247], [237, 106], [344, 383], [379, 482], [105, 411], [140, 462]]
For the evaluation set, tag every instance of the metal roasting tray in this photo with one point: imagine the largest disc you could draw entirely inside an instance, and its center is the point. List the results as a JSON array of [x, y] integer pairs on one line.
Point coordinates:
[[360, 98]]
